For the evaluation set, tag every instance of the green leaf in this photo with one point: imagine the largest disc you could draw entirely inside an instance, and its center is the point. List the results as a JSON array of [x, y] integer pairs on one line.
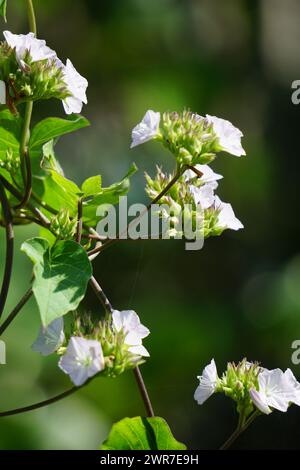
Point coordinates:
[[91, 186], [3, 4], [109, 195], [51, 128], [10, 130], [141, 434], [61, 275]]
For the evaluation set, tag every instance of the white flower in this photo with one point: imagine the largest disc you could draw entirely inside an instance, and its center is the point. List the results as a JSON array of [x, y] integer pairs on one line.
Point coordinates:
[[294, 385], [28, 42], [276, 389], [2, 92], [128, 322], [76, 85], [208, 175], [82, 360], [229, 136], [50, 338], [205, 195], [226, 216], [147, 129], [208, 383]]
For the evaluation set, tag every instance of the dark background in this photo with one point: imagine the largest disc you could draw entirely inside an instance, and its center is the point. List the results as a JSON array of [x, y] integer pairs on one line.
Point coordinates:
[[237, 297]]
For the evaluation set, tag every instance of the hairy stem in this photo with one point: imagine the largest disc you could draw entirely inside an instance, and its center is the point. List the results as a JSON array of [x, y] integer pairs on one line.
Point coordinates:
[[15, 311], [9, 247]]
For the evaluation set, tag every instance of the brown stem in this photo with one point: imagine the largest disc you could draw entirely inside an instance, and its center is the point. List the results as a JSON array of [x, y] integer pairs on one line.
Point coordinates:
[[41, 404], [134, 221], [9, 247], [15, 311], [137, 373], [143, 391]]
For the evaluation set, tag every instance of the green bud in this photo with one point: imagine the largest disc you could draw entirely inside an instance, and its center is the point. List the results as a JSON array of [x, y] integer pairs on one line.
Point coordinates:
[[189, 137], [63, 226]]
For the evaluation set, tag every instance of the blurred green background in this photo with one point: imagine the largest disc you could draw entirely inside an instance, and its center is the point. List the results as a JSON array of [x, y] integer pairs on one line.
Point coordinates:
[[237, 297]]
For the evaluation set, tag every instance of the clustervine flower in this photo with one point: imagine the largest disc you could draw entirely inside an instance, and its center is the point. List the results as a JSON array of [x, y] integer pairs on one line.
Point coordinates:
[[128, 322], [192, 139], [276, 390], [32, 71], [83, 359], [77, 86], [50, 339], [2, 92], [25, 44], [251, 387], [226, 218], [208, 383], [229, 136], [147, 129]]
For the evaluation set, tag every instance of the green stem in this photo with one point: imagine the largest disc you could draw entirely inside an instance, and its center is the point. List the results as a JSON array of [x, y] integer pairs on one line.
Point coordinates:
[[31, 17], [239, 430]]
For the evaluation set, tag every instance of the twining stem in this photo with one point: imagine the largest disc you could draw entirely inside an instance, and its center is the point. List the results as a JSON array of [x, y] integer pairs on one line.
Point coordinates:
[[41, 404], [15, 311], [171, 183], [9, 247], [44, 220], [137, 373], [143, 391], [101, 295], [239, 430]]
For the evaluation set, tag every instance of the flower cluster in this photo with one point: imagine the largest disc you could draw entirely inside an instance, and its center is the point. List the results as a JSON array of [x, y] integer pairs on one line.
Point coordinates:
[[191, 201], [30, 71], [110, 346], [62, 225], [250, 386], [190, 137], [193, 198]]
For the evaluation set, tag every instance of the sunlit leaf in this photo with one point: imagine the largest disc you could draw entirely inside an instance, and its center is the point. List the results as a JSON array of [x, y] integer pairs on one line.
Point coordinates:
[[141, 434], [51, 128], [61, 274]]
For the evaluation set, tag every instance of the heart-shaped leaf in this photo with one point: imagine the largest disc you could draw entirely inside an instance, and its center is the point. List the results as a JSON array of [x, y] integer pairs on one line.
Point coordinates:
[[141, 434], [61, 274]]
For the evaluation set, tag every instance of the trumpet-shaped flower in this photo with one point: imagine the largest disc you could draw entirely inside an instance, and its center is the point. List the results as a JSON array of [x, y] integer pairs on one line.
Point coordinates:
[[147, 129], [276, 390], [82, 360], [129, 323], [226, 216], [208, 383], [205, 195], [50, 338], [77, 86], [28, 43], [229, 136]]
